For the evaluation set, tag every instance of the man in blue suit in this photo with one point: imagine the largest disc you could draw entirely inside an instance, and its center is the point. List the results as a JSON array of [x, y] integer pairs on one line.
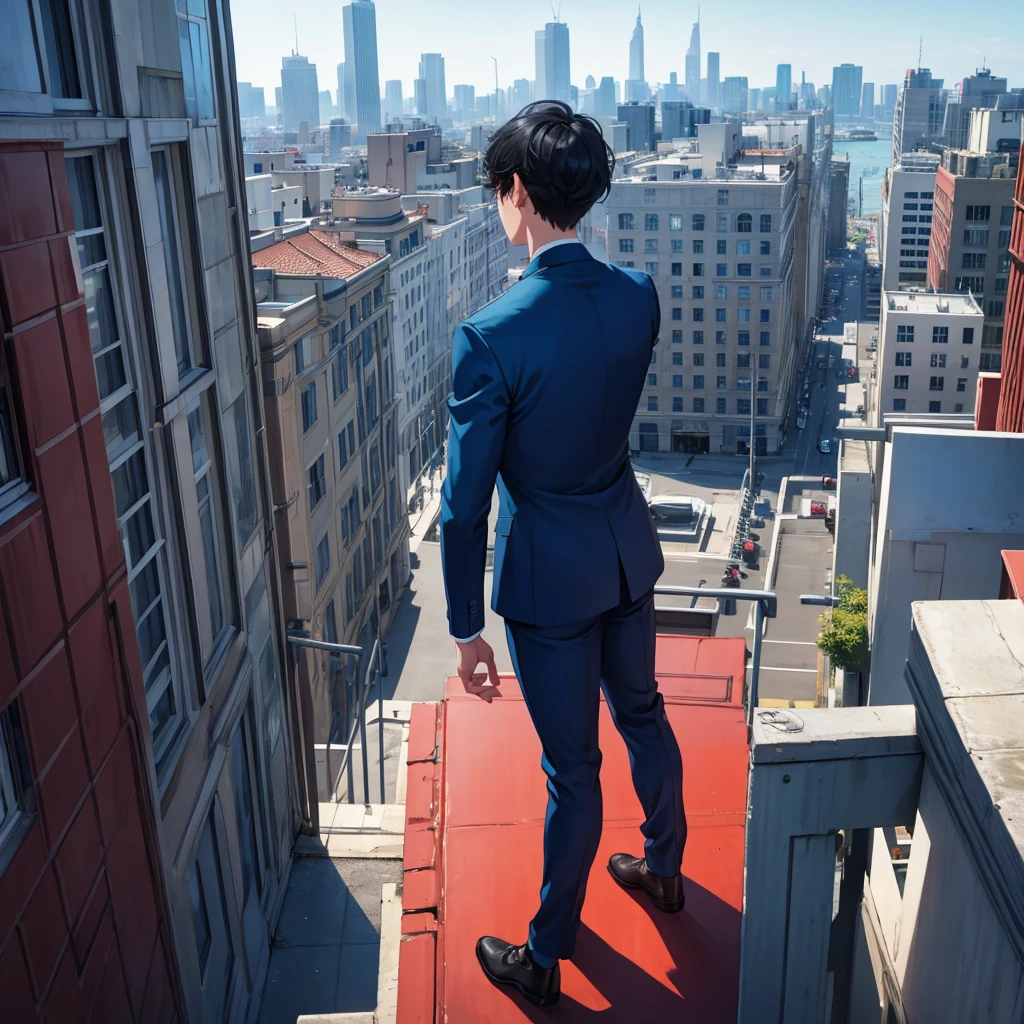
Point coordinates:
[[545, 383]]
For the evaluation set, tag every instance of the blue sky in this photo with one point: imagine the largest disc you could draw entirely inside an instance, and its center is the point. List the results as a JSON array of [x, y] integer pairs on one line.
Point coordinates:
[[752, 36]]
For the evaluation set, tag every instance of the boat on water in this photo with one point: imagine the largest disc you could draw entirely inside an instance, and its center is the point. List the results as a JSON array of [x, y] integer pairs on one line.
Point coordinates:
[[857, 135]]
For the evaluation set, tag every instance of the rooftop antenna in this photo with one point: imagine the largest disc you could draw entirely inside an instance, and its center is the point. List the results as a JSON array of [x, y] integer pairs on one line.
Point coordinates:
[[556, 14], [296, 17], [920, 44]]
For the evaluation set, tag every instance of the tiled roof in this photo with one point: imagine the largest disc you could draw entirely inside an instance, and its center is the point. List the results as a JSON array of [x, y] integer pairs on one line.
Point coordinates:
[[315, 253]]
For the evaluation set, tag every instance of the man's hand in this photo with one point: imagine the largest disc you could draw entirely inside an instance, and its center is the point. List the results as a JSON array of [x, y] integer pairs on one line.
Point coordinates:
[[477, 652]]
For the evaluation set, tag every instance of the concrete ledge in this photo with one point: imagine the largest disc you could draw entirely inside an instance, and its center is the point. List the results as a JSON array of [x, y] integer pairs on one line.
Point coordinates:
[[337, 1018], [364, 845], [390, 940]]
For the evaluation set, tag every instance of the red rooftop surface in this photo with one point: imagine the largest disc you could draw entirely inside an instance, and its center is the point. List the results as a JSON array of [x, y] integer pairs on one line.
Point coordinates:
[[315, 253], [473, 850], [1013, 576]]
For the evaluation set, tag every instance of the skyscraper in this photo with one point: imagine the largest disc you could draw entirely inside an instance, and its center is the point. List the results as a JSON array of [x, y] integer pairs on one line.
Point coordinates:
[[714, 89], [783, 87], [636, 52], [867, 100], [394, 101], [432, 73], [362, 81], [556, 60], [605, 105], [734, 95], [520, 93], [920, 112], [342, 105], [846, 81], [540, 90], [465, 100], [300, 100], [692, 68], [888, 100]]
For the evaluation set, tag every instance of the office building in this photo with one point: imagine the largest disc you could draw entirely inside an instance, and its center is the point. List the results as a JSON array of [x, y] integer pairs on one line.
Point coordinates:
[[362, 81], [734, 95], [556, 61], [520, 94], [980, 90], [889, 101], [839, 187], [540, 91], [436, 96], [867, 100], [928, 345], [251, 103], [639, 121], [755, 99], [411, 160], [300, 97], [151, 790], [394, 101], [328, 384], [970, 237], [846, 90], [784, 87], [905, 226], [339, 137], [919, 114], [679, 120], [1010, 416], [326, 106], [636, 52], [340, 95], [605, 104], [465, 101], [713, 91], [692, 66]]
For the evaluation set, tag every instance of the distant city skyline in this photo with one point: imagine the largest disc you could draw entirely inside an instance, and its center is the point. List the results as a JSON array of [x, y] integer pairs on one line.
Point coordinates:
[[751, 41]]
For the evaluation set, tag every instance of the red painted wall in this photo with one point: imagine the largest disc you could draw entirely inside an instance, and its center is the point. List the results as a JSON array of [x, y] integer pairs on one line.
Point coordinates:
[[83, 935], [942, 219], [1011, 402]]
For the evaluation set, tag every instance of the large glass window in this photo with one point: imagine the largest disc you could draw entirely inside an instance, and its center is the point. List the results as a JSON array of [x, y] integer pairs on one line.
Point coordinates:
[[240, 469], [125, 441], [194, 45], [15, 778]]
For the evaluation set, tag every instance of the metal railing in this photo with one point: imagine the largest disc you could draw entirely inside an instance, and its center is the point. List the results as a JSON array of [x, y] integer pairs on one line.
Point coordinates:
[[373, 665], [765, 607]]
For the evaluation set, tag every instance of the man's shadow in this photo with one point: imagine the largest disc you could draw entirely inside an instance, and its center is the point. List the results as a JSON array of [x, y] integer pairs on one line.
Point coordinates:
[[703, 984]]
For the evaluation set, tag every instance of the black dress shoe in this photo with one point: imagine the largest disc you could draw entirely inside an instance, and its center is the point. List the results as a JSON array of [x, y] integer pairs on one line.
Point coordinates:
[[631, 873], [506, 964]]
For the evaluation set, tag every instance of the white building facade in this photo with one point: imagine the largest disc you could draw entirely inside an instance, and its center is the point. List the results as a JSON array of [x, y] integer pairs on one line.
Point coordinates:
[[905, 227]]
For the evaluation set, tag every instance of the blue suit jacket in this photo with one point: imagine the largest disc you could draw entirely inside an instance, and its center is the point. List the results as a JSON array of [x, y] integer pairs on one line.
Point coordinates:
[[545, 384]]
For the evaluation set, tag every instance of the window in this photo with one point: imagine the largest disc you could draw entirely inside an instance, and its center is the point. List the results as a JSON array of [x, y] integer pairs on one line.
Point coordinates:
[[910, 218], [720, 314], [303, 353], [210, 598], [698, 382], [675, 222], [976, 236], [676, 291], [743, 384], [743, 360], [651, 268], [766, 292], [958, 407], [676, 245], [317, 483], [765, 248], [677, 358], [961, 383], [743, 270], [721, 247], [677, 270], [904, 358], [766, 315], [677, 337], [723, 197], [743, 314], [766, 222], [11, 484], [651, 245], [165, 191], [677, 405], [677, 380], [625, 245], [698, 337], [677, 312], [720, 407], [196, 74], [308, 399], [973, 261], [910, 206], [743, 406], [764, 361], [697, 222], [743, 337], [978, 213], [652, 403], [721, 291], [719, 337], [762, 407], [720, 384], [698, 358], [901, 382], [15, 779], [625, 224], [241, 476], [940, 335], [652, 380], [1006, 216], [698, 314], [698, 270], [339, 373], [935, 383], [722, 222], [745, 224], [935, 406], [766, 337], [698, 245], [721, 270], [698, 292], [899, 405], [969, 283], [904, 333], [743, 247], [322, 560], [766, 271], [698, 405], [720, 359], [938, 361]]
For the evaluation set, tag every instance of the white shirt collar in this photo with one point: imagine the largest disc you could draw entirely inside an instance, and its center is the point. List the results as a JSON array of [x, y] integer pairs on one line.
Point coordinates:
[[551, 245]]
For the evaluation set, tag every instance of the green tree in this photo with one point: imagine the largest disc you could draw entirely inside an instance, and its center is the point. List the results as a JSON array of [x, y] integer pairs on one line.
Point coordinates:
[[844, 632]]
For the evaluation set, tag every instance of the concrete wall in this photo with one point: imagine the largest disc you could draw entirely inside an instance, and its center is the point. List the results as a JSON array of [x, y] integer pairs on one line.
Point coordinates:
[[949, 501], [855, 495]]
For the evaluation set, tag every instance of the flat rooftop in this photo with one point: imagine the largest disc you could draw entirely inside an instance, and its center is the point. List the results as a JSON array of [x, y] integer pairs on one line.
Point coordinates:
[[954, 303], [473, 851]]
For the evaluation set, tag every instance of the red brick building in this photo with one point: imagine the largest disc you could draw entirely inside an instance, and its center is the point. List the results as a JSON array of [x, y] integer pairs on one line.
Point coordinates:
[[83, 921], [1010, 417]]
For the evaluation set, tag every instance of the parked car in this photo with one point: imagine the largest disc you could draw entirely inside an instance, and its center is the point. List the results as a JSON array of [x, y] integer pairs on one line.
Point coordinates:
[[824, 446], [676, 510]]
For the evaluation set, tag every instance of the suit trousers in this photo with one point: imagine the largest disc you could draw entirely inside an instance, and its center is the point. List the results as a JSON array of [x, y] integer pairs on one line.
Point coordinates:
[[562, 671]]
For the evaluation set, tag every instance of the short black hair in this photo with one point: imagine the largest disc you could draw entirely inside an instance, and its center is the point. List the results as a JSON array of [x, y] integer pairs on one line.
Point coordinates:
[[561, 158]]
